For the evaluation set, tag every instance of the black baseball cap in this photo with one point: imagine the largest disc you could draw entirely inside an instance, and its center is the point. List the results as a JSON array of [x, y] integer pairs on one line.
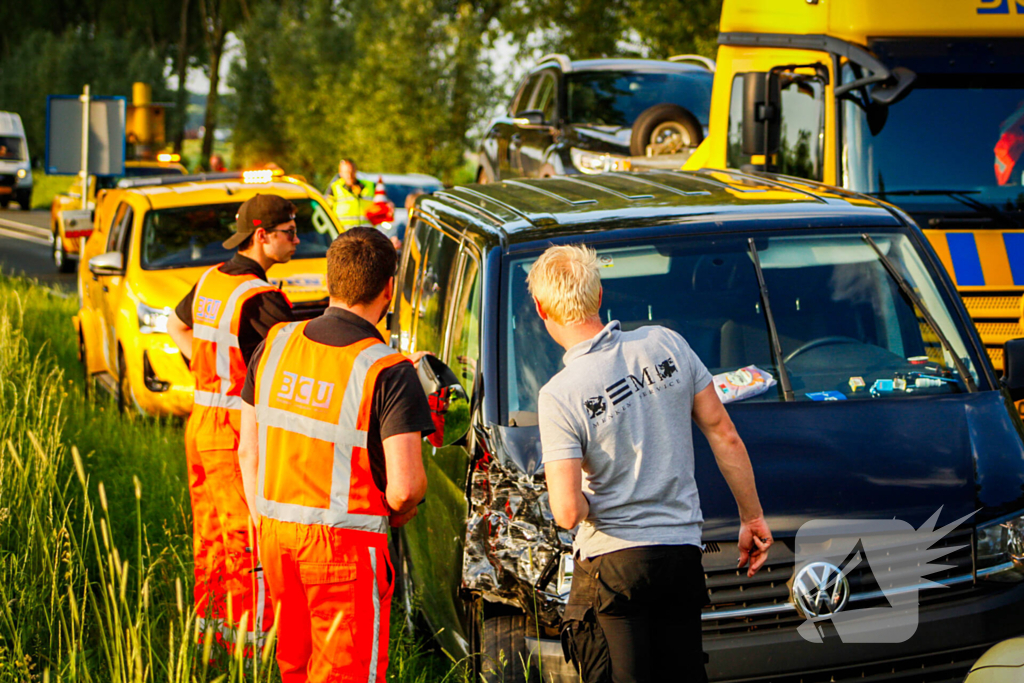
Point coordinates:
[[265, 211]]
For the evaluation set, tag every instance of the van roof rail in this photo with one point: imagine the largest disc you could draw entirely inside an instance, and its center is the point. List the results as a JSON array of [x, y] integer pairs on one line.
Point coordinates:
[[563, 61], [706, 62]]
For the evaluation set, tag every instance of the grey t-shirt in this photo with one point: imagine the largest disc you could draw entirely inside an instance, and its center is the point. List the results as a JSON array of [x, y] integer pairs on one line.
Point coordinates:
[[623, 404]]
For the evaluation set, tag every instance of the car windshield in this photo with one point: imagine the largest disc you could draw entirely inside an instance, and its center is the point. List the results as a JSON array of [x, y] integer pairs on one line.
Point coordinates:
[[188, 236], [617, 98], [842, 320], [973, 142], [10, 148]]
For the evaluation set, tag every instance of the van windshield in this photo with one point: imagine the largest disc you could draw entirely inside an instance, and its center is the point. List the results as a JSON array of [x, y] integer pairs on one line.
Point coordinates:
[[10, 148], [846, 330], [187, 236]]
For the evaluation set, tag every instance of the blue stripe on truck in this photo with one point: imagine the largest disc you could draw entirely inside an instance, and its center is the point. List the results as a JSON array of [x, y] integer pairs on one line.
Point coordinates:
[[966, 262]]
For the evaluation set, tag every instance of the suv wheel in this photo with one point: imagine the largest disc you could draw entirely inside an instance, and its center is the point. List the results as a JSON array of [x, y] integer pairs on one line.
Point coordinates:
[[503, 652], [60, 256], [87, 388], [5, 201], [25, 200], [666, 129], [124, 388]]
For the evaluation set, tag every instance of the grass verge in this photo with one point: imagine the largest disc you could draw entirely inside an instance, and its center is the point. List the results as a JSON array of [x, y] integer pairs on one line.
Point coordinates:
[[95, 529]]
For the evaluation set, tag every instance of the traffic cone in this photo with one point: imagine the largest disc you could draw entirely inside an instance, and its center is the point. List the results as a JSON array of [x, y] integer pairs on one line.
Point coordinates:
[[381, 211]]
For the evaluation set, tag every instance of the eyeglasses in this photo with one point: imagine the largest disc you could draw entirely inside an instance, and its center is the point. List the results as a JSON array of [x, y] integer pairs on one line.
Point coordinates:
[[289, 233]]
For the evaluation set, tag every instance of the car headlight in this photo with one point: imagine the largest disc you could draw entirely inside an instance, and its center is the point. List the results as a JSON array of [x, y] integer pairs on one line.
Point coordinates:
[[151, 319], [589, 162], [22, 173], [1001, 549]]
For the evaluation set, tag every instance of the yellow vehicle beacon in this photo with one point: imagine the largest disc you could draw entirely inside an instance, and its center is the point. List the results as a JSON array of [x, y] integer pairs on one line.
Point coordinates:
[[919, 103]]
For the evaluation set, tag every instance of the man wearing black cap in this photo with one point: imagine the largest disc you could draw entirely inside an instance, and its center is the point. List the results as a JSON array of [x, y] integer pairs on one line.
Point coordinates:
[[218, 325]]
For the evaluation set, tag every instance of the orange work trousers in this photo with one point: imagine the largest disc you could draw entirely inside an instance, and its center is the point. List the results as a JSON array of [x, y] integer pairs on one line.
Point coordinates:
[[333, 592], [227, 584]]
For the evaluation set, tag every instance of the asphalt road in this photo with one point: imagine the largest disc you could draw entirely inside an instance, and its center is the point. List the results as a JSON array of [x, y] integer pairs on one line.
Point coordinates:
[[25, 248]]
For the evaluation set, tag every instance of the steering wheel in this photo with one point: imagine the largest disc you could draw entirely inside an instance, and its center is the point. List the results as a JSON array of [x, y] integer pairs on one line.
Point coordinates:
[[820, 341]]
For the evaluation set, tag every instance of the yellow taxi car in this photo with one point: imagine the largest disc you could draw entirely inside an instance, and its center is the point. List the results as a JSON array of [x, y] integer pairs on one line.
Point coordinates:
[[65, 238], [152, 240], [1002, 663]]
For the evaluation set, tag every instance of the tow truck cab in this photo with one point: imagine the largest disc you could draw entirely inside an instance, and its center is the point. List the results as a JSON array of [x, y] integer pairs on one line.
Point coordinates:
[[920, 103]]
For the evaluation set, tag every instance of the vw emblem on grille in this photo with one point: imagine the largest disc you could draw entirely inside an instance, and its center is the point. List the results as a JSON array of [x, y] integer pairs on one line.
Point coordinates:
[[820, 589]]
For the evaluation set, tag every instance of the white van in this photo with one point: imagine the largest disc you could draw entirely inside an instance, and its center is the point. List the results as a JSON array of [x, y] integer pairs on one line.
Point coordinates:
[[15, 167]]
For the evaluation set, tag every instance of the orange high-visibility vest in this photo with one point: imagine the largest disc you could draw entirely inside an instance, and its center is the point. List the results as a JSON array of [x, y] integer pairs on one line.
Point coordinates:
[[313, 404], [217, 363]]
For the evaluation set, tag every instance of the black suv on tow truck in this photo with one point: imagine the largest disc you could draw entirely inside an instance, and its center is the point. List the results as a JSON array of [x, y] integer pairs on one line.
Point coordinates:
[[589, 116], [887, 408]]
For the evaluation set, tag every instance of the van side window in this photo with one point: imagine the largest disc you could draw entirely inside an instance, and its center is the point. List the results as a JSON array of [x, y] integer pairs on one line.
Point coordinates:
[[465, 352], [412, 258], [441, 253], [803, 129]]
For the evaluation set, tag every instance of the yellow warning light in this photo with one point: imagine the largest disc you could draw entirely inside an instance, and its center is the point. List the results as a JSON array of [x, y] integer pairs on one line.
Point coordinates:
[[167, 157], [261, 175]]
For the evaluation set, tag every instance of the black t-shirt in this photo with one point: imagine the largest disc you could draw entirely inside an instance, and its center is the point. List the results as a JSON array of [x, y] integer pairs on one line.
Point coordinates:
[[259, 313], [399, 402]]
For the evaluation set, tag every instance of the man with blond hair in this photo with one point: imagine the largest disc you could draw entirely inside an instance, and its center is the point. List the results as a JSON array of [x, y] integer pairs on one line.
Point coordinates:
[[617, 442]]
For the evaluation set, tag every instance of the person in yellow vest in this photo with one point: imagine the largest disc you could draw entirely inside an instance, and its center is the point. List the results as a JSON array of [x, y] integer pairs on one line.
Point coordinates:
[[351, 197], [218, 325], [330, 455]]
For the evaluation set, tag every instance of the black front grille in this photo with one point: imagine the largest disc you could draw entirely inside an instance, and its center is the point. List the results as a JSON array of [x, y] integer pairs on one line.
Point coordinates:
[[7, 180], [948, 666], [737, 597]]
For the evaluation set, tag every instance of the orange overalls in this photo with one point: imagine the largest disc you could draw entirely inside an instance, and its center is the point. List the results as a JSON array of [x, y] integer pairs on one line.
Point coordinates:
[[227, 584], [323, 520]]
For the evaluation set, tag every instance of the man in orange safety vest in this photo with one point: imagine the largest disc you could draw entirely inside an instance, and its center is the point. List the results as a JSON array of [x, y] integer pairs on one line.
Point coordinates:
[[218, 325], [330, 454]]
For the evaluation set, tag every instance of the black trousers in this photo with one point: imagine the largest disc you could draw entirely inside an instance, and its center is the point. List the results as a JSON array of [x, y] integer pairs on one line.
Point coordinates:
[[633, 616]]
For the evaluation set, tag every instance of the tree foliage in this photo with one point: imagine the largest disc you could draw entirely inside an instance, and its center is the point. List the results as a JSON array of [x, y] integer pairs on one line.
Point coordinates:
[[399, 85]]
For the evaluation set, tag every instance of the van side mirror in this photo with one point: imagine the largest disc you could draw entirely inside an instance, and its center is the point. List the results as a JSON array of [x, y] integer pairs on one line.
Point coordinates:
[[1013, 368], [530, 117], [111, 263], [449, 402], [762, 120]]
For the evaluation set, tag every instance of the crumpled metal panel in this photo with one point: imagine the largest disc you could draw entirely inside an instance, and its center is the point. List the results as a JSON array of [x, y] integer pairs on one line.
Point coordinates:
[[512, 542]]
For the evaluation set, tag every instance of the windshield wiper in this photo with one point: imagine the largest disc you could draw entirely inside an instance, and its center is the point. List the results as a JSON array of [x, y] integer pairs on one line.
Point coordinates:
[[773, 334], [909, 292], [961, 196]]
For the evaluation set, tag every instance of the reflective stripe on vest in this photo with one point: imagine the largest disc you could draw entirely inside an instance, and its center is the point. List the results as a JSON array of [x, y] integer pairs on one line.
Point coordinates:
[[318, 468], [216, 319]]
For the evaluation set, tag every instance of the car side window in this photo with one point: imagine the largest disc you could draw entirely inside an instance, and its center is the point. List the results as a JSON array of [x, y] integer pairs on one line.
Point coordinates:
[[117, 225], [526, 94], [545, 99], [436, 283], [465, 334], [801, 144]]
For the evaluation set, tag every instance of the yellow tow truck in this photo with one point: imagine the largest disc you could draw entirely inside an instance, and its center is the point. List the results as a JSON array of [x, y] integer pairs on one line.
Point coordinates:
[[919, 103]]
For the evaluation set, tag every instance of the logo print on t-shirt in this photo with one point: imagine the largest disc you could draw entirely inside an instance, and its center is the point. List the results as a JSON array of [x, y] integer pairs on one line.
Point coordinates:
[[667, 368], [595, 406]]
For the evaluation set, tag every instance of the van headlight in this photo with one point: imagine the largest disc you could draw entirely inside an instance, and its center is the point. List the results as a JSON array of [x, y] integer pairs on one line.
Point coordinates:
[[22, 173], [152, 320], [1001, 549], [589, 162]]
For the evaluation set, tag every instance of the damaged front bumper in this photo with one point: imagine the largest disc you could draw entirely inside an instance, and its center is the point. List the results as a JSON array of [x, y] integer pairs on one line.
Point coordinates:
[[514, 552]]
